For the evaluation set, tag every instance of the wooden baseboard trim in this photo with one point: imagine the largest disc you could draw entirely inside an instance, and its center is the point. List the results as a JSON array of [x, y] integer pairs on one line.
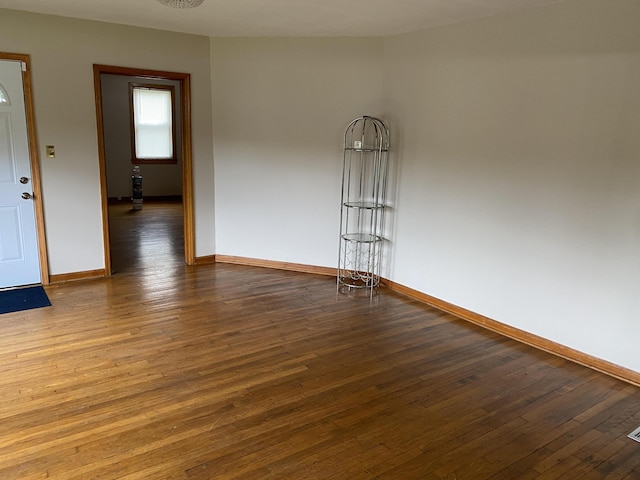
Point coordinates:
[[293, 267], [530, 339], [207, 260], [602, 366], [71, 277]]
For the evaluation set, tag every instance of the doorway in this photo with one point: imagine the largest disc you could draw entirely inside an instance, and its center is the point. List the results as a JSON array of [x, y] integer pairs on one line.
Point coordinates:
[[184, 126]]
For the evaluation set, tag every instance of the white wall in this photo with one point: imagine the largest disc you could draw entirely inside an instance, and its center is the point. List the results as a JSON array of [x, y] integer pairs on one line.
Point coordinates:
[[280, 108], [519, 187], [62, 53], [158, 179]]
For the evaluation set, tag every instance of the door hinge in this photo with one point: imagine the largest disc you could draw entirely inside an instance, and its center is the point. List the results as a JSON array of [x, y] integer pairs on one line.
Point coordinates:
[[24, 66]]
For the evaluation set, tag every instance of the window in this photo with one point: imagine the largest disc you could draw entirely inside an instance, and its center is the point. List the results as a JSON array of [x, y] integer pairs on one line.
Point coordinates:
[[4, 98], [153, 136]]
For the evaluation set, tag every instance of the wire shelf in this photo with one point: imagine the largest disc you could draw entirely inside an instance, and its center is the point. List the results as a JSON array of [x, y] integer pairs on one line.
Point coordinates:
[[364, 184]]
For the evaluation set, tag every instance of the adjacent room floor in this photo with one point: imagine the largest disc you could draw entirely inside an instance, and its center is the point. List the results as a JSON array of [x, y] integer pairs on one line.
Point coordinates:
[[148, 239]]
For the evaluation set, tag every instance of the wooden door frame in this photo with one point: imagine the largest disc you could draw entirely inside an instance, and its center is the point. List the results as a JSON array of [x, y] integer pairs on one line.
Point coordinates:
[[187, 169], [34, 159]]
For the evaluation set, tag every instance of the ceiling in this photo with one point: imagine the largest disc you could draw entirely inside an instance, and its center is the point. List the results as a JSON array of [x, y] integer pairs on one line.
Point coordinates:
[[281, 17]]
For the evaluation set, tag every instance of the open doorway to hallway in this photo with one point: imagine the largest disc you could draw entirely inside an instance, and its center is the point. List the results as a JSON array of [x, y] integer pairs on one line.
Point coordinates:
[[135, 239]]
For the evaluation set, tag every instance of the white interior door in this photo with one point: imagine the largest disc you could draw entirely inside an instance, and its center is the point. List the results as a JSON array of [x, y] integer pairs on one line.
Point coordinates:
[[19, 260]]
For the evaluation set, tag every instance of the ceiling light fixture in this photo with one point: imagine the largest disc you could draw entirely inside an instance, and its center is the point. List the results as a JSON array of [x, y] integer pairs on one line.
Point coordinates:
[[181, 3]]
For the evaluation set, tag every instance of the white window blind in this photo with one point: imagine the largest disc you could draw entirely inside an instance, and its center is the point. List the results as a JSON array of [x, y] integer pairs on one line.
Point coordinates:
[[153, 123]]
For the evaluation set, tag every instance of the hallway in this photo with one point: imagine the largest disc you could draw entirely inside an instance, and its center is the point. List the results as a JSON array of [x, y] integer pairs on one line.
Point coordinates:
[[146, 241]]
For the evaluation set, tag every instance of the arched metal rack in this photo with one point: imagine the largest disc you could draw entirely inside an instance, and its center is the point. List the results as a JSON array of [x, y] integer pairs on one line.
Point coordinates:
[[362, 204]]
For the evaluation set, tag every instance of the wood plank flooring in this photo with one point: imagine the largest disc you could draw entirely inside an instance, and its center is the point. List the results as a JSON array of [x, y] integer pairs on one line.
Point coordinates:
[[165, 371], [148, 239]]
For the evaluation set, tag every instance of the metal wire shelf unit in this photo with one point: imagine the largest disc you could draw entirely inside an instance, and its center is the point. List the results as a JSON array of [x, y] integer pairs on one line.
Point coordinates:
[[362, 204]]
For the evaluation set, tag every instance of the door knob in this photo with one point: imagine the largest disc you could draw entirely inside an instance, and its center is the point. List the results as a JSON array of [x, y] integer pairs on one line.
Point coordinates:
[[26, 195], [24, 180]]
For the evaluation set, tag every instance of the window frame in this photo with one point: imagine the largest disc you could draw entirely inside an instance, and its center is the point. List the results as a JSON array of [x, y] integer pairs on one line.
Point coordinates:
[[152, 161]]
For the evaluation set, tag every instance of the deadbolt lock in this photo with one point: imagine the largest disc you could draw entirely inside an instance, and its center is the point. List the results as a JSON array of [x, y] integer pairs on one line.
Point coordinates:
[[24, 180]]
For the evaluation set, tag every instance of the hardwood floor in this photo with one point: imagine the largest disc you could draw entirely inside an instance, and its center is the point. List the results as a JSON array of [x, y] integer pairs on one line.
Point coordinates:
[[165, 371], [148, 239]]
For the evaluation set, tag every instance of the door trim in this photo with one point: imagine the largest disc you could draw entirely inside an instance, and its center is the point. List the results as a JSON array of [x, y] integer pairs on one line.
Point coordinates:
[[187, 169], [34, 159]]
